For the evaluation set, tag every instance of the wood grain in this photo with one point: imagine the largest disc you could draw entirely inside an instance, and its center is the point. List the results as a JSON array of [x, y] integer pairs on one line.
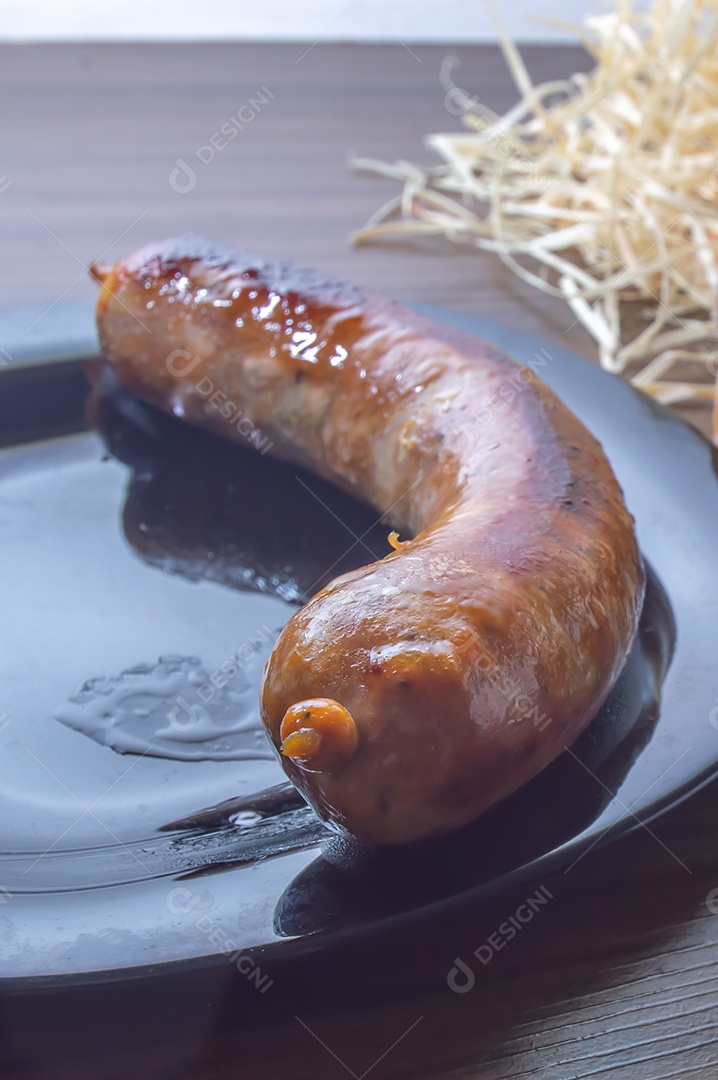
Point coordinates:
[[618, 976], [91, 134]]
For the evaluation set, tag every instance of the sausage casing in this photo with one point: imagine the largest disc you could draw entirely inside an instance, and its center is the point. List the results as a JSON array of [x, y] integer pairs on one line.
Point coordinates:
[[471, 656]]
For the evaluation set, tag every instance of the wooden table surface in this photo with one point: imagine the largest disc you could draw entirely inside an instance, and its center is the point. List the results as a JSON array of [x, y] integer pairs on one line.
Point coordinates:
[[615, 977]]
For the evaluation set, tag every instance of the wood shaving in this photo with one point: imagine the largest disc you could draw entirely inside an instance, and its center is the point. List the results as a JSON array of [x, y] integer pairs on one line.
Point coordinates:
[[601, 189]]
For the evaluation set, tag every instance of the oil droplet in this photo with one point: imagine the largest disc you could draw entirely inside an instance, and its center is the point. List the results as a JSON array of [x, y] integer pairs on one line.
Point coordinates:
[[245, 818], [174, 709]]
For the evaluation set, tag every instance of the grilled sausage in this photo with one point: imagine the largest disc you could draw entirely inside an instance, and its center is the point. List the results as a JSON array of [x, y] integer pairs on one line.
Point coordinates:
[[408, 696]]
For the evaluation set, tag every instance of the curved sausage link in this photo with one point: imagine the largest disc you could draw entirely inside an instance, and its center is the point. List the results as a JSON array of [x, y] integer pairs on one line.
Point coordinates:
[[412, 694]]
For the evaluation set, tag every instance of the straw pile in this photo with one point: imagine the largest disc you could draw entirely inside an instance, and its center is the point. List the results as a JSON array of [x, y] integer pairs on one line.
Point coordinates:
[[601, 189]]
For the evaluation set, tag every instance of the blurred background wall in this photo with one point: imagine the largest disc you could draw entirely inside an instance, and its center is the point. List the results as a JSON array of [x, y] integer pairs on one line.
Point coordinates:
[[299, 20]]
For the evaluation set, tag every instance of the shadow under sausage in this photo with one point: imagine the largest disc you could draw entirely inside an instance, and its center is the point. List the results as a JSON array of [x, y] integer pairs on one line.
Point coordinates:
[[210, 509]]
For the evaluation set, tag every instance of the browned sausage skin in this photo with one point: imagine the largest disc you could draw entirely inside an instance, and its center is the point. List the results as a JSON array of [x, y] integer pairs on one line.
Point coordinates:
[[468, 659]]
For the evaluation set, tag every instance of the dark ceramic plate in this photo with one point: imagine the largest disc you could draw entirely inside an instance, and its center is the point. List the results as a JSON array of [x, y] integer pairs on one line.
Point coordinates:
[[128, 544]]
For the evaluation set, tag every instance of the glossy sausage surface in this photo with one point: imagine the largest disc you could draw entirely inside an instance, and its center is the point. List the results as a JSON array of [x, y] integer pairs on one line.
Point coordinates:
[[409, 696]]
